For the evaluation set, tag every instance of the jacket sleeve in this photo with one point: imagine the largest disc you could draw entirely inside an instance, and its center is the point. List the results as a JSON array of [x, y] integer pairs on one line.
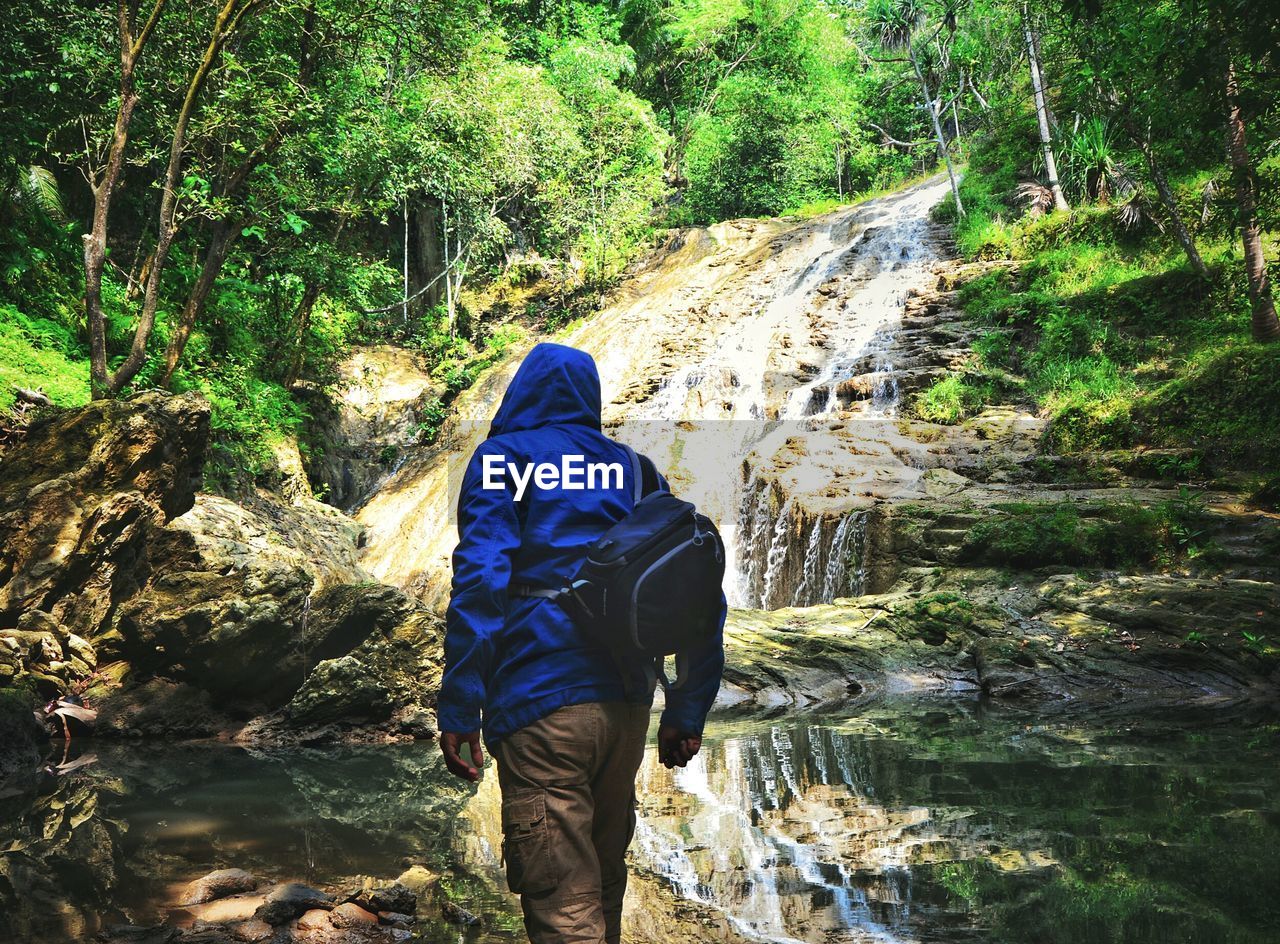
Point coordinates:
[[488, 538], [688, 703], [698, 673]]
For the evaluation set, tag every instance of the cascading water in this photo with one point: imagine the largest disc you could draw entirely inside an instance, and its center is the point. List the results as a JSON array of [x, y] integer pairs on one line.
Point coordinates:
[[740, 335], [892, 258]]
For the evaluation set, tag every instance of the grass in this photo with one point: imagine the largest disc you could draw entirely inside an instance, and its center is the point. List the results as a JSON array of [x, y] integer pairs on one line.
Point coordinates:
[[40, 355], [1029, 535], [1109, 334]]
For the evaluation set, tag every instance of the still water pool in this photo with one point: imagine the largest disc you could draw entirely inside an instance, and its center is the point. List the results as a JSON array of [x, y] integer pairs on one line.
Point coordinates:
[[912, 821]]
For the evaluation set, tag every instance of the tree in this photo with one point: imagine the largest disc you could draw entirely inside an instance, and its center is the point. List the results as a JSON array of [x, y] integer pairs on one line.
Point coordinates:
[[1042, 111], [133, 42], [896, 22], [1266, 327], [226, 23]]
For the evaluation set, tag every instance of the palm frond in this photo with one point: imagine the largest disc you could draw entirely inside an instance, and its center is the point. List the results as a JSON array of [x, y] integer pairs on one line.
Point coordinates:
[[1035, 196], [36, 194], [895, 21]]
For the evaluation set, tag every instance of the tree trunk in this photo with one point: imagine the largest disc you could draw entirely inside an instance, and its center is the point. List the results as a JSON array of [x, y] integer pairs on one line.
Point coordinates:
[[1266, 327], [1042, 115], [95, 241], [228, 20], [937, 131], [302, 324], [428, 260], [224, 234], [1180, 230]]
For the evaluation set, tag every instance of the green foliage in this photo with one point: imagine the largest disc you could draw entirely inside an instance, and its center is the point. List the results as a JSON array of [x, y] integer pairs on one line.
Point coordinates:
[[40, 355], [1044, 534], [951, 399], [1117, 340]]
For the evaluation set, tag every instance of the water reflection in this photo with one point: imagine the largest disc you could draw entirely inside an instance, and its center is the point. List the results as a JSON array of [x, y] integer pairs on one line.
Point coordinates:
[[911, 822]]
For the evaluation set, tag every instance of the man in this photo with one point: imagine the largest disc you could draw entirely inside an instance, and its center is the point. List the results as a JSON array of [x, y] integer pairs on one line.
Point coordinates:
[[564, 718]]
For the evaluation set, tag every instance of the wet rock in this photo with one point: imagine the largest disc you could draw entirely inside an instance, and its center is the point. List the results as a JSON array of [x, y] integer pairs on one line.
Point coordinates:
[[251, 931], [159, 708], [20, 736], [341, 688], [237, 908], [140, 934], [416, 722], [203, 932], [361, 424], [393, 670], [286, 902], [344, 616], [395, 897], [351, 915], [395, 920], [456, 914], [227, 627], [314, 920], [219, 884], [418, 879]]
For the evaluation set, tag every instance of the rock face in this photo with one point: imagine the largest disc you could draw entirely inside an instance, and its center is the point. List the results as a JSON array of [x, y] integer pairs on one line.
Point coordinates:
[[181, 612], [1120, 642], [963, 557], [81, 499], [363, 422]]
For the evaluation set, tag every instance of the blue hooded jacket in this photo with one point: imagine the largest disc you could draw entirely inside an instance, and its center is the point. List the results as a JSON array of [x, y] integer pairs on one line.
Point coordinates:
[[517, 659]]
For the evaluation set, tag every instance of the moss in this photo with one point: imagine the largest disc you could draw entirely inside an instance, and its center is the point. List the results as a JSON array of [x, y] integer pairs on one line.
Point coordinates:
[[932, 616], [1035, 534]]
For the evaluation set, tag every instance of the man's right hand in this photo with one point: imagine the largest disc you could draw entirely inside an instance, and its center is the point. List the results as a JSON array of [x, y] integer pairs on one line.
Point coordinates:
[[675, 747], [450, 746]]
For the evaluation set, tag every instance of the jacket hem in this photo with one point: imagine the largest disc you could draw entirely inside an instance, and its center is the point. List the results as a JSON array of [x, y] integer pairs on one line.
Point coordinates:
[[509, 722]]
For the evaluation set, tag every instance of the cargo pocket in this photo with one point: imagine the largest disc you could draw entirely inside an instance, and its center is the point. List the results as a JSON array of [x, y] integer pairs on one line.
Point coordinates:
[[526, 845]]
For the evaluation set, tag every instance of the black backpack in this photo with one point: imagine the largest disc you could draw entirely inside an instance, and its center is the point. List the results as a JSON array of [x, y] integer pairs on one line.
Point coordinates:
[[650, 586]]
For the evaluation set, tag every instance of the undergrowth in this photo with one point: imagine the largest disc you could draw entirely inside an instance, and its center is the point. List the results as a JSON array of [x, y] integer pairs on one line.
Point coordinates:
[[1109, 333]]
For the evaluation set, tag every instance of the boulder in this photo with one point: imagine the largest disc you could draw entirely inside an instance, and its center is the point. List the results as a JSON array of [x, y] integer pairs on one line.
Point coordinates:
[[393, 919], [394, 897], [81, 497], [286, 902], [351, 915], [251, 931], [418, 879], [394, 671], [219, 884], [341, 689], [158, 707], [313, 920]]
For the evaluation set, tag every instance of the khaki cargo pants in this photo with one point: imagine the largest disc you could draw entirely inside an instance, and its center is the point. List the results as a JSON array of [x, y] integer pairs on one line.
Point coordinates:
[[568, 814]]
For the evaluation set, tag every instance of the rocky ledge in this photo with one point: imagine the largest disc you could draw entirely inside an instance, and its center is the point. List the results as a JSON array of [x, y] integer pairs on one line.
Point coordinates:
[[185, 614]]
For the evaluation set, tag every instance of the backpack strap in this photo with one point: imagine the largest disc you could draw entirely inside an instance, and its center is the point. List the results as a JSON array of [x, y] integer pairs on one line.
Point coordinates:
[[637, 474], [644, 473]]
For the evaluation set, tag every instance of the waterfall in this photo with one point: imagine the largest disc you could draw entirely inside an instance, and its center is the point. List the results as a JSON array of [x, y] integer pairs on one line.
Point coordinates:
[[712, 354], [830, 562]]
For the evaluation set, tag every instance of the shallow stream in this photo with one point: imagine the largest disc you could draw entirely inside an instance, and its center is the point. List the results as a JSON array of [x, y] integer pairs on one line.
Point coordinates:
[[907, 821]]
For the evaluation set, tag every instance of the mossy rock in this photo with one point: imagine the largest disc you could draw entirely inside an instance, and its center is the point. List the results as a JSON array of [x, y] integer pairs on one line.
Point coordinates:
[[937, 617]]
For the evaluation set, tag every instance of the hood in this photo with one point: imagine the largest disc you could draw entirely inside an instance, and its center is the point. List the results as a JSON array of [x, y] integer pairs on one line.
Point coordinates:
[[555, 384]]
